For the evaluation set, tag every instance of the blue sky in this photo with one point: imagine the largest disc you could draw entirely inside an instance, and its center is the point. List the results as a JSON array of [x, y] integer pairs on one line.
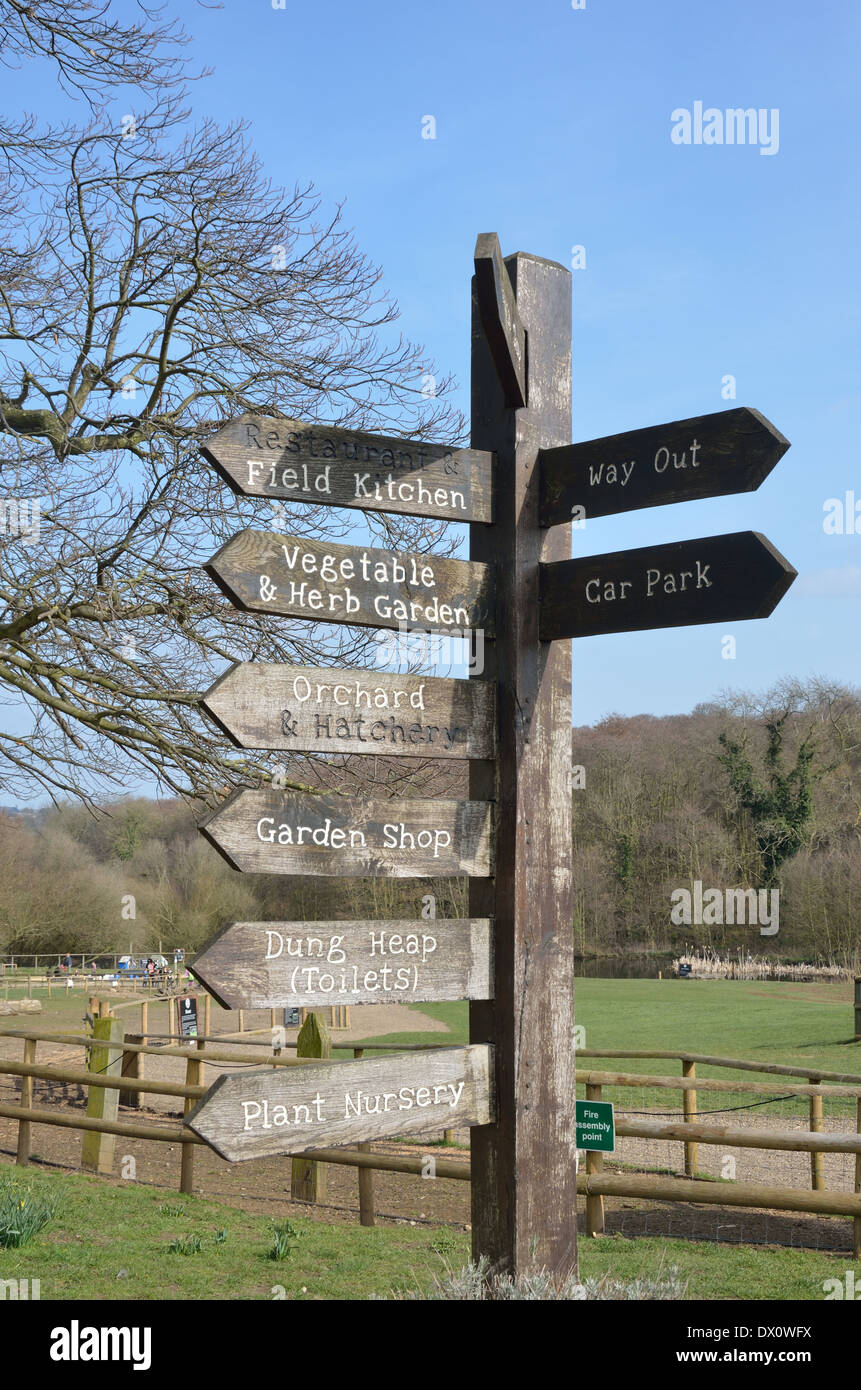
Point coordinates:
[[553, 129]]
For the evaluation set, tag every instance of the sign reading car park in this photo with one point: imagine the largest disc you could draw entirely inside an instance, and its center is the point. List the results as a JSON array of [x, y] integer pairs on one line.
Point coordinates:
[[517, 485]]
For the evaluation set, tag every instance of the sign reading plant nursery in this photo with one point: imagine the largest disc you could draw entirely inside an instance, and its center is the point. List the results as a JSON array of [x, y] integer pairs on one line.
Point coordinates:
[[518, 486]]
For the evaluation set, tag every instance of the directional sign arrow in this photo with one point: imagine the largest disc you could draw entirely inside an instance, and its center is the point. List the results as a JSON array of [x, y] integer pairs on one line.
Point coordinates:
[[314, 709], [271, 573], [278, 832], [715, 580], [506, 336], [260, 456], [271, 965], [706, 456], [257, 1114]]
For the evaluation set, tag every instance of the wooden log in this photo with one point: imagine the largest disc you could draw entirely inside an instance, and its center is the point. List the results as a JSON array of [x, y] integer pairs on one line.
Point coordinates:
[[365, 1175], [192, 1082], [69, 1076], [594, 1166], [689, 1108], [856, 1224], [307, 1178], [97, 1151], [524, 1188], [675, 1083], [24, 1129], [817, 1165], [20, 1006], [661, 1189], [132, 1062], [789, 1141], [733, 1063]]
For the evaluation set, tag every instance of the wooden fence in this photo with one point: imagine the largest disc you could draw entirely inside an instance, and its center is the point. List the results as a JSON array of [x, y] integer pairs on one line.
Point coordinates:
[[123, 1072]]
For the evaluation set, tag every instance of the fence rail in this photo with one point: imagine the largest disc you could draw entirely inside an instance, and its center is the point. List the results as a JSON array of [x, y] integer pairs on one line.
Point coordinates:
[[594, 1183]]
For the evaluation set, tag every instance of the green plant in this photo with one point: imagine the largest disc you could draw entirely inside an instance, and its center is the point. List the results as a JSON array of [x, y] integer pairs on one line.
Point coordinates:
[[22, 1213], [221, 1235], [284, 1238], [186, 1245], [168, 1210]]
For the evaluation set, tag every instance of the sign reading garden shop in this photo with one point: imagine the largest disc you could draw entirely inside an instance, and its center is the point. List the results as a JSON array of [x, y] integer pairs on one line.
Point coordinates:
[[511, 837]]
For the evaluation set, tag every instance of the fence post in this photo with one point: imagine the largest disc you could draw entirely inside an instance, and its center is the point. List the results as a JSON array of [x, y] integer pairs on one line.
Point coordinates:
[[192, 1078], [24, 1126], [97, 1149], [207, 1014], [132, 1067], [594, 1164], [307, 1178], [858, 1008], [817, 1161], [856, 1222], [689, 1108], [366, 1175]]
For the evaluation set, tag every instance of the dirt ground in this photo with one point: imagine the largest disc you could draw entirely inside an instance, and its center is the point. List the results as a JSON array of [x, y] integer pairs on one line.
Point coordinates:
[[264, 1185]]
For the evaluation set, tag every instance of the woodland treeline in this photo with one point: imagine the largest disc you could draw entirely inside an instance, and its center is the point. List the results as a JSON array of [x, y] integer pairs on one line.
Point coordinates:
[[743, 792]]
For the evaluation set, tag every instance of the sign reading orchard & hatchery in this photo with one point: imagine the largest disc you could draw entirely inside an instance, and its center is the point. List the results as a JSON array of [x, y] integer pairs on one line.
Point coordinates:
[[257, 1114], [314, 709]]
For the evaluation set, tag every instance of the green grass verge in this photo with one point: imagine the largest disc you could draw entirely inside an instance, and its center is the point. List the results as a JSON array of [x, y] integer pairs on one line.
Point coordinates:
[[111, 1242]]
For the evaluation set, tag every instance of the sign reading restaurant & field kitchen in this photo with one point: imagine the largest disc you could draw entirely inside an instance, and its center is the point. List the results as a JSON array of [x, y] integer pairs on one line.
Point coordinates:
[[517, 485], [263, 457]]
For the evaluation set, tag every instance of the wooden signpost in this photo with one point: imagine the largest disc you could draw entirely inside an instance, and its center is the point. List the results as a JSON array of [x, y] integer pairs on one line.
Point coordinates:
[[513, 957], [255, 1114], [323, 465], [270, 573], [274, 832], [708, 456], [312, 709], [719, 579], [257, 965]]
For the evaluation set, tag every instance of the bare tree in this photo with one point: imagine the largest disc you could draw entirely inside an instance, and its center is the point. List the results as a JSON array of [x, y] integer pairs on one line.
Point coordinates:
[[156, 286]]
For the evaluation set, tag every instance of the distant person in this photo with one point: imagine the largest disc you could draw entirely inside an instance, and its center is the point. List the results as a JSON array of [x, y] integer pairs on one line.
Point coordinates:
[[68, 961]]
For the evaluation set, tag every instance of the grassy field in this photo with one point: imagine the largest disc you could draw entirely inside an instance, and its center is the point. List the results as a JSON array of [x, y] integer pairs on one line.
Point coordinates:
[[111, 1241]]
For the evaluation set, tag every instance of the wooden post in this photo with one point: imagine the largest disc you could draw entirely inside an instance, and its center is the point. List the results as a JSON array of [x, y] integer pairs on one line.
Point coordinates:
[[366, 1175], [24, 1126], [817, 1160], [207, 1013], [524, 1186], [594, 1165], [308, 1179], [689, 1108], [132, 1067], [192, 1078], [858, 1008], [97, 1150], [856, 1223]]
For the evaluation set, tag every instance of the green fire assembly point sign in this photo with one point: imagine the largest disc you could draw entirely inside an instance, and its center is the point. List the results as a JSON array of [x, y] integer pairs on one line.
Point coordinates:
[[595, 1127]]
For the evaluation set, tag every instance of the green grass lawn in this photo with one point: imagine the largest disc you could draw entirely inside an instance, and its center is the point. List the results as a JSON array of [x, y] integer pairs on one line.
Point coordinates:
[[113, 1242]]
